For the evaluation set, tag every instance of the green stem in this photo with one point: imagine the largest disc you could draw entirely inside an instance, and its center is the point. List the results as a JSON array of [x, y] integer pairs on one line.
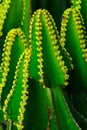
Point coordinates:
[[65, 119], [9, 125]]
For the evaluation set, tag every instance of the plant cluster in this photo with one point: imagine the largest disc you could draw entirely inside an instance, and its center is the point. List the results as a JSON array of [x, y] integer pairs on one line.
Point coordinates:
[[43, 65]]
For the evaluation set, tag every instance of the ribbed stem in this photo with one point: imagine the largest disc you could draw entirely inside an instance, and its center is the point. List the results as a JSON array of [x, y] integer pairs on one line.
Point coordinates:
[[12, 50], [65, 119], [46, 59], [73, 37]]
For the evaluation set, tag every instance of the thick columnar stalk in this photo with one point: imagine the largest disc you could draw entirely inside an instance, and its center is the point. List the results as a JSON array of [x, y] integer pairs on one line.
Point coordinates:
[[14, 45], [14, 105], [37, 107], [74, 39], [79, 118], [62, 111], [48, 68], [46, 60]]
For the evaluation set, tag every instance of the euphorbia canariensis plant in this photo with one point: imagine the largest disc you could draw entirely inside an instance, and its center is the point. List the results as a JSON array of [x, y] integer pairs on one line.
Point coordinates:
[[43, 65]]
